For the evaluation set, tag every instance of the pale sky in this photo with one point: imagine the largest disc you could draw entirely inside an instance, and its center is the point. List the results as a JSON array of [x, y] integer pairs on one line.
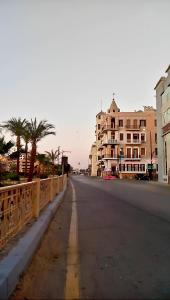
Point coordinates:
[[59, 58]]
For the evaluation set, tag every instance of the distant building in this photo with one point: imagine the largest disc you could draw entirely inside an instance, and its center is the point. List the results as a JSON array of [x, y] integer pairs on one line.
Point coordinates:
[[126, 142], [22, 165], [163, 128], [93, 159]]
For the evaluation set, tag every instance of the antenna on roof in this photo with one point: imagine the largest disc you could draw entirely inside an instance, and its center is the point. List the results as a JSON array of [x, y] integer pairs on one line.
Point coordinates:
[[101, 102], [113, 95]]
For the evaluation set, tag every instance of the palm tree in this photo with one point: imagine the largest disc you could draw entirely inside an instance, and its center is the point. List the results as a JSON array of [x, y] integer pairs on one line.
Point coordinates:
[[16, 127], [43, 163], [26, 138], [4, 149], [53, 155], [37, 132]]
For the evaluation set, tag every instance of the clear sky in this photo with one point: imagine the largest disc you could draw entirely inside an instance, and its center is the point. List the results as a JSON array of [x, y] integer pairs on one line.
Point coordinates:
[[59, 58]]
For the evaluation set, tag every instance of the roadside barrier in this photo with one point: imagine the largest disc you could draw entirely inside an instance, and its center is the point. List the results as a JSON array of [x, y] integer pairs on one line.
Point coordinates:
[[21, 203]]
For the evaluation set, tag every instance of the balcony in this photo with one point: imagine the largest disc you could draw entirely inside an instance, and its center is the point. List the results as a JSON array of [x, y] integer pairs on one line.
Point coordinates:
[[132, 157], [132, 127], [109, 157], [112, 127], [110, 142], [133, 141]]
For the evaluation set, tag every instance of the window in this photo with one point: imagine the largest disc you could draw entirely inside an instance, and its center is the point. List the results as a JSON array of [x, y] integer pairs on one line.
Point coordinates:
[[120, 123], [155, 138], [135, 168], [142, 123], [135, 153], [128, 137], [142, 137], [122, 167], [99, 117], [128, 123], [155, 122], [128, 152], [135, 137], [113, 136], [142, 167], [142, 151], [156, 151], [135, 123], [129, 167], [98, 126], [121, 136]]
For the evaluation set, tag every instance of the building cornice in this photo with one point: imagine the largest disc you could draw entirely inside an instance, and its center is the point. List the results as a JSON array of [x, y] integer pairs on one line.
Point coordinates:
[[160, 80], [167, 69]]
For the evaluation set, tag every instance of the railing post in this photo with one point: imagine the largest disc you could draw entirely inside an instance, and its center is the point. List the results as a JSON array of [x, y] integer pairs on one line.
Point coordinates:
[[51, 189], [37, 199], [58, 185]]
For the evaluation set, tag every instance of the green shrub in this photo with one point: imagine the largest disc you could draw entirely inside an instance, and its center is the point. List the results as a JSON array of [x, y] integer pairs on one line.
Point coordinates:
[[12, 176]]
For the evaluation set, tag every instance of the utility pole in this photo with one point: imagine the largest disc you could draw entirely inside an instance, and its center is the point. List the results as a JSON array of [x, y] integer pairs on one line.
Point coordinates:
[[151, 153]]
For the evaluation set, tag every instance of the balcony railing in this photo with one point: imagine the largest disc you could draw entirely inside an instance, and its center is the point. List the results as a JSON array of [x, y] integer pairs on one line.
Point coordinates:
[[109, 156], [132, 127], [109, 127], [132, 157], [133, 141], [110, 142]]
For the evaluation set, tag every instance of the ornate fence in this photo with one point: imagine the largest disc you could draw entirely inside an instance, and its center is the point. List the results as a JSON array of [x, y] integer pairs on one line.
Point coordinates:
[[22, 202]]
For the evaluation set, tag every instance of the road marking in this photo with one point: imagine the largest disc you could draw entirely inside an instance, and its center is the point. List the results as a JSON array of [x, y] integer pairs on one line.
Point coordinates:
[[72, 275]]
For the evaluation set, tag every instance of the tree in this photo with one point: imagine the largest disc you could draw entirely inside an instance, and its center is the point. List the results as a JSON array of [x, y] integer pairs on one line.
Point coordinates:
[[44, 163], [4, 149], [37, 132], [16, 127], [53, 155]]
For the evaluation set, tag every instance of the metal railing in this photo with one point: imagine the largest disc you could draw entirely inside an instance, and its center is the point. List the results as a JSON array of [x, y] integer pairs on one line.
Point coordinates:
[[105, 156], [110, 142], [132, 157], [109, 127], [22, 202], [133, 127], [129, 141]]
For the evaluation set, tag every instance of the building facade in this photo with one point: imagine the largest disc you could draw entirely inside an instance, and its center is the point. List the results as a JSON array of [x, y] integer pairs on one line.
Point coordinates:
[[93, 158], [126, 142], [163, 129]]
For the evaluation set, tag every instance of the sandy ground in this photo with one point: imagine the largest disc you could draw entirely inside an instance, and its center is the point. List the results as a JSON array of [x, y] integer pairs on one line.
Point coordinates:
[[45, 277]]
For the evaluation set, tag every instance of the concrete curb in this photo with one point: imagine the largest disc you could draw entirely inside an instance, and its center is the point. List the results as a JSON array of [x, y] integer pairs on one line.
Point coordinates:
[[14, 264]]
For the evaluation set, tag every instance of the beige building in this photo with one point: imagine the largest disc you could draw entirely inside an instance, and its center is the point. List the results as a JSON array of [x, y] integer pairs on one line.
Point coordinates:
[[22, 165], [163, 118], [93, 159], [126, 142]]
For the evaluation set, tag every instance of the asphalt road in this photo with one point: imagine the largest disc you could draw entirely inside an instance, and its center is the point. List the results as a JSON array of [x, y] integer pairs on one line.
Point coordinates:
[[123, 245]]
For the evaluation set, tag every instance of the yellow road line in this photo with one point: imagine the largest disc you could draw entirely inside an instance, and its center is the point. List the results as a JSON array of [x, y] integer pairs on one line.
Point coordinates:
[[72, 275]]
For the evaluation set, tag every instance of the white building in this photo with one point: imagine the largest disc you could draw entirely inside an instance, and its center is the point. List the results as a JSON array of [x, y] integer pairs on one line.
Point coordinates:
[[163, 125]]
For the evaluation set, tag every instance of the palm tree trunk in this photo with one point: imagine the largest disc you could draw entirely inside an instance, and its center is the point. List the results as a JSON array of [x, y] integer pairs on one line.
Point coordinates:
[[26, 158], [53, 169], [18, 149], [33, 156]]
